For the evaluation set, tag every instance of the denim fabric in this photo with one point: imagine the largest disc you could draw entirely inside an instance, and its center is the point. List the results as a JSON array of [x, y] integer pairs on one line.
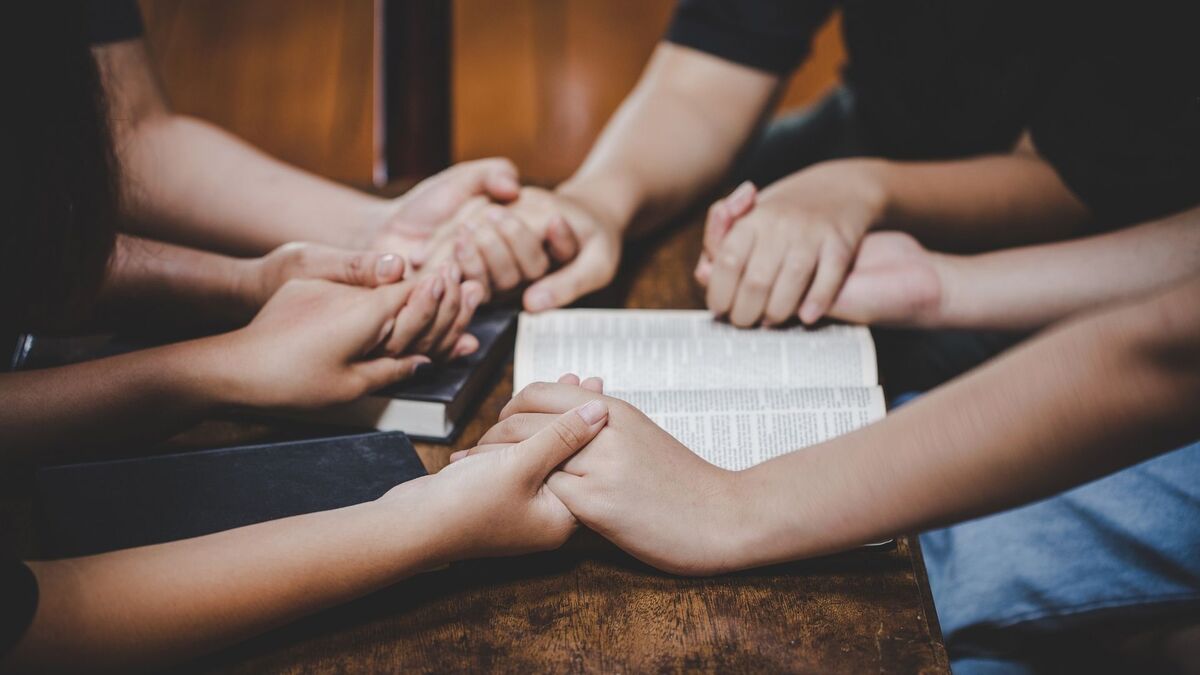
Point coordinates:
[[1124, 550]]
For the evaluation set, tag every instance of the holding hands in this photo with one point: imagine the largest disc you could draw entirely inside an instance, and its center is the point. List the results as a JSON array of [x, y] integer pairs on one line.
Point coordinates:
[[633, 483], [785, 252]]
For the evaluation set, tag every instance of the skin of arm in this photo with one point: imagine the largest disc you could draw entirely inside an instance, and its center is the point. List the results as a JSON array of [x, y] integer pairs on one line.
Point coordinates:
[[672, 139], [159, 604], [896, 281], [785, 252], [315, 343], [188, 181], [1093, 395]]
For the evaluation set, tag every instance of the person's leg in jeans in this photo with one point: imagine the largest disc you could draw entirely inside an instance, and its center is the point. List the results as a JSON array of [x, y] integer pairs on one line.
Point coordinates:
[[1017, 590]]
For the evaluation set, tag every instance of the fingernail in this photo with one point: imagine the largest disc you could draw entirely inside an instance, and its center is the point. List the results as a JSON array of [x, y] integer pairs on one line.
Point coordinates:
[[439, 287], [387, 329], [455, 456], [593, 411], [739, 197], [473, 298], [389, 266], [510, 183], [538, 299]]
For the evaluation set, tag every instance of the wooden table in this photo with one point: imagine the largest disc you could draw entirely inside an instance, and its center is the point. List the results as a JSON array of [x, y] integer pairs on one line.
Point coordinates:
[[590, 608]]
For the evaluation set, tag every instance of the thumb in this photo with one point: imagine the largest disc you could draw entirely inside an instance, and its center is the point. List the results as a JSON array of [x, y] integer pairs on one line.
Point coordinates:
[[562, 287], [385, 370], [496, 177], [358, 268], [567, 435]]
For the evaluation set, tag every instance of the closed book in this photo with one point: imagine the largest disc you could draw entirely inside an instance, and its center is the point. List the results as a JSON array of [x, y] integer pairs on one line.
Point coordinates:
[[433, 405], [83, 509]]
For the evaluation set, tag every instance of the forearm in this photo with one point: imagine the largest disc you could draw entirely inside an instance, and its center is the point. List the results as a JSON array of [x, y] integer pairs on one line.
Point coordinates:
[[672, 139], [218, 191], [180, 286], [1091, 397], [142, 395], [160, 604], [188, 181], [980, 203], [1029, 287]]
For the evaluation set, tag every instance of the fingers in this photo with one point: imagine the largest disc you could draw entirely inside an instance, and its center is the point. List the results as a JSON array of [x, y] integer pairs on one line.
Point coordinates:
[[356, 268], [727, 269], [526, 247], [591, 384], [480, 449], [415, 315], [586, 273], [794, 274], [831, 271], [457, 342], [517, 428], [569, 378], [756, 284], [565, 436], [384, 371], [473, 267], [544, 397], [561, 240], [501, 264], [449, 305]]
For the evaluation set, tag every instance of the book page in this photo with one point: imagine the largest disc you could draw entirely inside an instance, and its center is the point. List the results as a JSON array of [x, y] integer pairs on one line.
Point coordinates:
[[641, 350], [738, 428]]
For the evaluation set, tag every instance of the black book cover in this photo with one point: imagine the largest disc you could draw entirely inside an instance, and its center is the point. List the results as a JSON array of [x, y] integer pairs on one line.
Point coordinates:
[[82, 509]]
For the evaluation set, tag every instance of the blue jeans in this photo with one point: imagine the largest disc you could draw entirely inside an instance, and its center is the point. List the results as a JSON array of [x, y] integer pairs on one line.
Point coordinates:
[[1122, 550]]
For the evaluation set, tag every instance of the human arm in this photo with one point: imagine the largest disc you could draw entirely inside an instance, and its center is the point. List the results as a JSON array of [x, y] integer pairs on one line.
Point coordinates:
[[672, 139], [188, 286], [188, 181], [1087, 398], [155, 605], [314, 343], [896, 281], [787, 252]]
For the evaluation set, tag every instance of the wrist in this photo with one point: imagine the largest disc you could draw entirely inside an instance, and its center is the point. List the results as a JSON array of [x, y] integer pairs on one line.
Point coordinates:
[[369, 222], [427, 544], [877, 188], [613, 201], [952, 306], [247, 287]]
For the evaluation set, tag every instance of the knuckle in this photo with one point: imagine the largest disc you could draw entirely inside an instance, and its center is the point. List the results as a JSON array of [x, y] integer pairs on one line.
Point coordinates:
[[756, 283], [565, 433], [729, 259], [354, 265]]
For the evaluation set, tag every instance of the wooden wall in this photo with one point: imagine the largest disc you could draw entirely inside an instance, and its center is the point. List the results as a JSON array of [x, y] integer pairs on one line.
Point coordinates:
[[533, 80]]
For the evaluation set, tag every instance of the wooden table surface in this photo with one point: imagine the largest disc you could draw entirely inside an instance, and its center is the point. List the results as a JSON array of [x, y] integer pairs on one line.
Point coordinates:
[[589, 607]]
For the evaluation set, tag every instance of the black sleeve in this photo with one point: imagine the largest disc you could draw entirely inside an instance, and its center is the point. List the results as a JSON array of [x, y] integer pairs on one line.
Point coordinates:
[[113, 20], [1121, 120], [19, 591], [770, 35]]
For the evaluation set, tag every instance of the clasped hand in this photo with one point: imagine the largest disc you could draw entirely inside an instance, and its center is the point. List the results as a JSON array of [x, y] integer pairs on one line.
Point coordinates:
[[630, 481]]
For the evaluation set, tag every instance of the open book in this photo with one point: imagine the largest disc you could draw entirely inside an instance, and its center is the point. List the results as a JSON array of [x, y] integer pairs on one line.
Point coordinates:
[[735, 397]]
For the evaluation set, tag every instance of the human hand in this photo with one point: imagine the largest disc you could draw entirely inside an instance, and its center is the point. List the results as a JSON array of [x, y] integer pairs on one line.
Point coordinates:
[[894, 281], [789, 254], [417, 221], [316, 343], [572, 235], [259, 278], [634, 483], [498, 503]]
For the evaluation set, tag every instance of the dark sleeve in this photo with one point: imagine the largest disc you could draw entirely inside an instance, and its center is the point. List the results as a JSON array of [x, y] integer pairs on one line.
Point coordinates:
[[770, 35], [1121, 121], [19, 591], [113, 20]]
